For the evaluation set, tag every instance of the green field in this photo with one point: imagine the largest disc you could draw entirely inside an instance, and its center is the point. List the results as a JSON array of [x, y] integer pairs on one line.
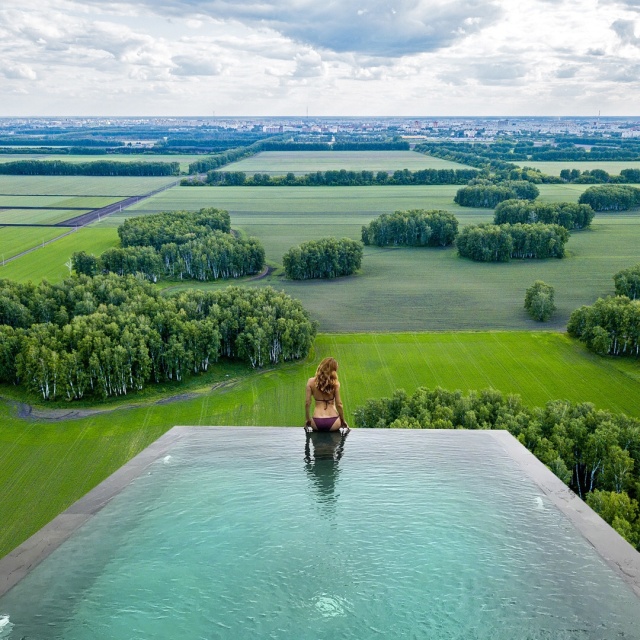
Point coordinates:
[[38, 216], [554, 168], [79, 185], [45, 466], [413, 289], [49, 262], [301, 162], [183, 159], [15, 240]]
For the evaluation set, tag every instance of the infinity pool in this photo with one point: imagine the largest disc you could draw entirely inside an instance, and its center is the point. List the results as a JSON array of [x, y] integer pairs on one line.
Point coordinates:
[[263, 533]]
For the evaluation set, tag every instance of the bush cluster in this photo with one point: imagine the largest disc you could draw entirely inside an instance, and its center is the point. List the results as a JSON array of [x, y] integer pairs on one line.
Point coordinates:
[[539, 301]]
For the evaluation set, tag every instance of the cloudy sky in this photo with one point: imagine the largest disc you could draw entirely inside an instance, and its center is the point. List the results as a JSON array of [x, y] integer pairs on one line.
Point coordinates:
[[334, 57]]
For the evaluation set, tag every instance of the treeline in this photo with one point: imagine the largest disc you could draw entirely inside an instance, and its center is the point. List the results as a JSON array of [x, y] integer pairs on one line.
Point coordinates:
[[502, 153], [596, 453], [501, 243], [341, 177], [414, 228], [107, 336], [611, 197], [567, 214], [490, 195], [600, 176], [226, 157], [177, 244], [384, 145], [324, 258], [93, 168]]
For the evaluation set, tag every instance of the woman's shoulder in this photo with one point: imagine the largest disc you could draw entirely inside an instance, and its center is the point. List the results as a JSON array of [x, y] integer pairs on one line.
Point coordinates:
[[311, 382]]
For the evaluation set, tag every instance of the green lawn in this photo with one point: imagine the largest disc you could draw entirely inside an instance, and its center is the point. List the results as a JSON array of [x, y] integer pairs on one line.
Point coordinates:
[[46, 201], [553, 168], [49, 261], [301, 162], [45, 466], [80, 185], [15, 240]]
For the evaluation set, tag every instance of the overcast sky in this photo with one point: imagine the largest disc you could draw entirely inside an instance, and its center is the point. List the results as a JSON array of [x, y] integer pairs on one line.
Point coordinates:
[[334, 57]]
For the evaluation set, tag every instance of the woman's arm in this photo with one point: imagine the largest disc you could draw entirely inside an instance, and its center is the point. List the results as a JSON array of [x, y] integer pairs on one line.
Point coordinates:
[[343, 422], [307, 404]]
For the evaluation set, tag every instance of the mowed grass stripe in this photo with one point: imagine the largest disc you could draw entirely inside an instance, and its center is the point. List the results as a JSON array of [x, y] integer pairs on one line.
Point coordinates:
[[46, 466], [50, 261]]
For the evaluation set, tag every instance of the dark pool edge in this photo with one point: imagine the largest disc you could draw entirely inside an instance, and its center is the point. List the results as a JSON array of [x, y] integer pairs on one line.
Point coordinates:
[[621, 556], [623, 559], [25, 557]]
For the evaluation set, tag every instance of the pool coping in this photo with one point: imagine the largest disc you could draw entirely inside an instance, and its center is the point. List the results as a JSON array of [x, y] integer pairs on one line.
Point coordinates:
[[613, 548]]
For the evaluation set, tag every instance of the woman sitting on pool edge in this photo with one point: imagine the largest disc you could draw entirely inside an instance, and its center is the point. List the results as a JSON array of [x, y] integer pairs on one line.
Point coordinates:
[[324, 387]]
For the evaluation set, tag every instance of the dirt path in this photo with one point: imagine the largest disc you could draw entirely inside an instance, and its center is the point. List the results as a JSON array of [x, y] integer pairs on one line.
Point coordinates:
[[26, 411]]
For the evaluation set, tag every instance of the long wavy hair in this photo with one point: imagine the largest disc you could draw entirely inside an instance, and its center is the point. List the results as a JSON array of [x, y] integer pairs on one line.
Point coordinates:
[[327, 376]]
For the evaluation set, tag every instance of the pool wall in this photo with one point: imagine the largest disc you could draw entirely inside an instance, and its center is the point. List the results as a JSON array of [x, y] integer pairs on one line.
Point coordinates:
[[614, 549]]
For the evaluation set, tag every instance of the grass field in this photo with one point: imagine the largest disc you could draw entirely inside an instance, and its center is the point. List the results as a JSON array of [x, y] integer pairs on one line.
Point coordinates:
[[14, 240], [413, 289], [38, 216], [79, 185], [301, 162], [183, 159], [49, 262], [554, 168], [45, 466]]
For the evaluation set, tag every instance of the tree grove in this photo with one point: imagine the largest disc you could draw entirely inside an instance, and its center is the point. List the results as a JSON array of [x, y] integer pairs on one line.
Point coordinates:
[[414, 228]]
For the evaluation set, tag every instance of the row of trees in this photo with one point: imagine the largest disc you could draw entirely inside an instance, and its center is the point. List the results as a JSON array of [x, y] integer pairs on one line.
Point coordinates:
[[341, 177], [218, 160], [501, 243], [93, 168], [382, 145], [611, 326], [600, 176], [567, 214], [611, 197], [596, 453], [414, 228], [489, 195], [324, 258], [110, 335]]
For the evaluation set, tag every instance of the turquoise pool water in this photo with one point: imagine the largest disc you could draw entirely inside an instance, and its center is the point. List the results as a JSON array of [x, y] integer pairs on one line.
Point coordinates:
[[251, 533]]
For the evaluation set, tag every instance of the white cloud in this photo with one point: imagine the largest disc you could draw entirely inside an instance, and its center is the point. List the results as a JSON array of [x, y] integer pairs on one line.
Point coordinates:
[[277, 56], [18, 72]]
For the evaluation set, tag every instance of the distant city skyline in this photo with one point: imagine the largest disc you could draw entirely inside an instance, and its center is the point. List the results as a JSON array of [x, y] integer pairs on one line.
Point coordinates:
[[382, 58]]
